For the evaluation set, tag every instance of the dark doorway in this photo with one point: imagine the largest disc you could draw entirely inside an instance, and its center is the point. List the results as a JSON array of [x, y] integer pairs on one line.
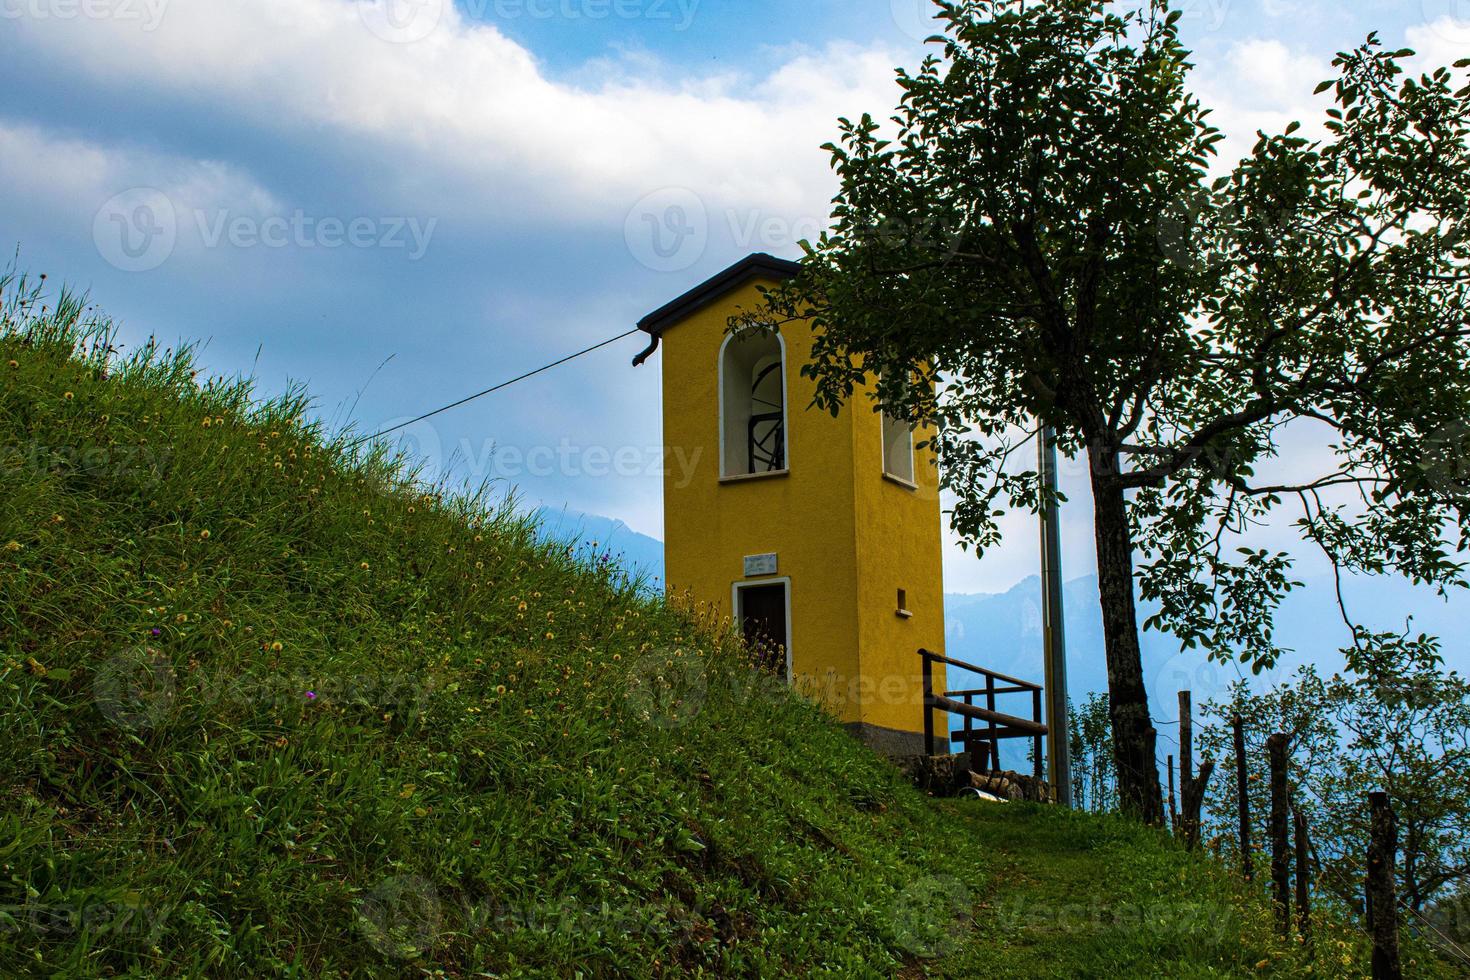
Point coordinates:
[[763, 620]]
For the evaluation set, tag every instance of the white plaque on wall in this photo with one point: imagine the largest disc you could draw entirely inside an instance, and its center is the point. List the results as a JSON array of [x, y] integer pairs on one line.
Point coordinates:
[[760, 565]]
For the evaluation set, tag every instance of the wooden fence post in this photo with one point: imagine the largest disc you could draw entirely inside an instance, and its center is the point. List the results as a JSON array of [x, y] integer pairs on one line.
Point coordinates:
[[1186, 739], [1303, 879], [1173, 814], [1194, 801], [1191, 787], [1242, 787], [928, 670], [1383, 910], [1280, 843]]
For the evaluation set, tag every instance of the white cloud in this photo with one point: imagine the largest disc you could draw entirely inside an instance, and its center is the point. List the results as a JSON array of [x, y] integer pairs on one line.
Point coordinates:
[[65, 180], [1440, 42], [464, 121], [1261, 85]]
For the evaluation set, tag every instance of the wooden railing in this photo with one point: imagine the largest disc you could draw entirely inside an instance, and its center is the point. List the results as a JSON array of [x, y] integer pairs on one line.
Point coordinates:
[[983, 744]]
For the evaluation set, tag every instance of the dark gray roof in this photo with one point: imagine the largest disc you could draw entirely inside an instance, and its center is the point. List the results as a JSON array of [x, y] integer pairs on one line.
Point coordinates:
[[758, 265]]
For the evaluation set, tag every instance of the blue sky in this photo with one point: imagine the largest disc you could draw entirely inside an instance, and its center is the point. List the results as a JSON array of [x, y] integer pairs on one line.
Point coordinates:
[[312, 188]]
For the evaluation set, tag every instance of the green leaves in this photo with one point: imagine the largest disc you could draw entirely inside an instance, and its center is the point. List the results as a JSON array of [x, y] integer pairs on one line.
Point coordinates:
[[1067, 255]]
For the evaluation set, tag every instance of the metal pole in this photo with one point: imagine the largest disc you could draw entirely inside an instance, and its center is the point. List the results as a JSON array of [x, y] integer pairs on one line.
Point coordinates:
[[1059, 751]]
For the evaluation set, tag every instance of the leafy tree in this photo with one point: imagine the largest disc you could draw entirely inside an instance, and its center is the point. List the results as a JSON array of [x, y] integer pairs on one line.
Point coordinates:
[[1037, 237], [1093, 785], [1394, 721]]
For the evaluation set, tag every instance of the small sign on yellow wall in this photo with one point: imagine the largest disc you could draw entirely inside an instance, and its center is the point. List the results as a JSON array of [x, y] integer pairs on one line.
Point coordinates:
[[757, 565]]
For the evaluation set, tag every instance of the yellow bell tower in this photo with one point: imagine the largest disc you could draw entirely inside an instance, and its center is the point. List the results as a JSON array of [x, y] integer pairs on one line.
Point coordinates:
[[818, 535]]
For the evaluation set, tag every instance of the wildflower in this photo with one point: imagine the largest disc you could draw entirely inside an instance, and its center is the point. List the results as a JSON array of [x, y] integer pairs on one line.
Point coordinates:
[[204, 535], [499, 688], [155, 631], [276, 647], [364, 566], [311, 695], [12, 546], [15, 364], [68, 396], [550, 635], [57, 519], [206, 422], [519, 608]]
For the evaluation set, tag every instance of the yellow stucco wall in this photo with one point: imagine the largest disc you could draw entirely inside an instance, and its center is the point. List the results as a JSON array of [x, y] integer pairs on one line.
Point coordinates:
[[847, 538], [899, 539]]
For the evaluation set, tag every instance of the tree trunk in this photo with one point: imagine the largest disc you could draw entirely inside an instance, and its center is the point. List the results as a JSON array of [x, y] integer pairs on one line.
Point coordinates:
[[1383, 912], [1134, 738]]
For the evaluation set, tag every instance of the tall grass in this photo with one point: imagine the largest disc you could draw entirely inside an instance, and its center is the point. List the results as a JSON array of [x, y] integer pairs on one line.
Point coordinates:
[[272, 706]]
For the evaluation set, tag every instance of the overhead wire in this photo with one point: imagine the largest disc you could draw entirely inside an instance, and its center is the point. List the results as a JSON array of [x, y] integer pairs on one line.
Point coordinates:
[[492, 389]]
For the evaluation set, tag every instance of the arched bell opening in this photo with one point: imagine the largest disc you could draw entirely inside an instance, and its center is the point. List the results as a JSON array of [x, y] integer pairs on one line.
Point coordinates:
[[753, 405]]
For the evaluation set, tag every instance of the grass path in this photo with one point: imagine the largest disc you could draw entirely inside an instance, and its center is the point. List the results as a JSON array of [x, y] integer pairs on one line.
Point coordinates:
[[1077, 895]]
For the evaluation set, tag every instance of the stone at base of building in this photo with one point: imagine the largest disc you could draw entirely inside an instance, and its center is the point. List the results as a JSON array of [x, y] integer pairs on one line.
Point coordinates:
[[938, 775], [892, 742]]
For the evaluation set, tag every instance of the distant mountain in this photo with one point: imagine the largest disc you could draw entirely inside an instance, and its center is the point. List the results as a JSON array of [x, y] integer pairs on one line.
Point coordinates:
[[638, 553], [1002, 631]]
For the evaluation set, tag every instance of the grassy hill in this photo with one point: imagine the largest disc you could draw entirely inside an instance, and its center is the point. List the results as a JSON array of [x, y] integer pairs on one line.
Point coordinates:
[[271, 709]]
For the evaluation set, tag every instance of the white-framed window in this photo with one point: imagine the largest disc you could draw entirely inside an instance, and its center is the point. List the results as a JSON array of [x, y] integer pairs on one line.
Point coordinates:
[[753, 430], [898, 450]]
